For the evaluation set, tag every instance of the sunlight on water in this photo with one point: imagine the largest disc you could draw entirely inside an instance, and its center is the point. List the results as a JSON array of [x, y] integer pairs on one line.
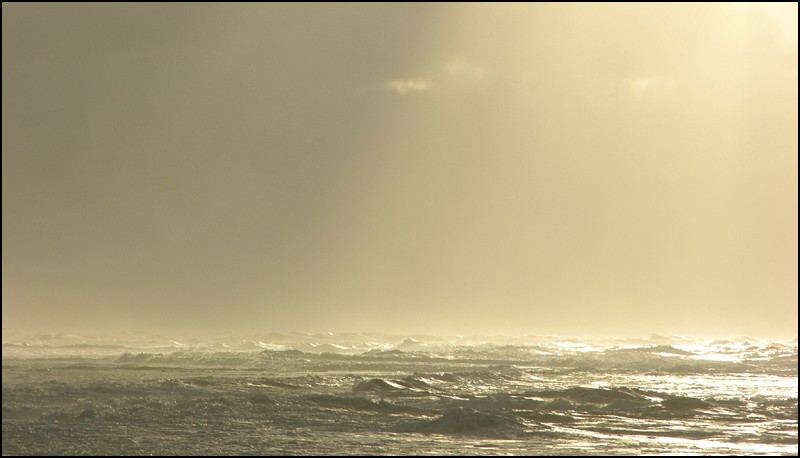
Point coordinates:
[[375, 394]]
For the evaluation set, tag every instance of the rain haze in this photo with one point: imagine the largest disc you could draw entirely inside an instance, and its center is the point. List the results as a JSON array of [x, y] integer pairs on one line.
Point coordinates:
[[588, 170]]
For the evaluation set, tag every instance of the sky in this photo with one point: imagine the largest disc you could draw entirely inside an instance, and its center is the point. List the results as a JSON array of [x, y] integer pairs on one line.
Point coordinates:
[[572, 169]]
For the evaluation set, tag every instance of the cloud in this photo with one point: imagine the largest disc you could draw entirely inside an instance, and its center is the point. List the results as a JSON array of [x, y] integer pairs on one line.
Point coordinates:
[[404, 87], [456, 75], [641, 86], [463, 69]]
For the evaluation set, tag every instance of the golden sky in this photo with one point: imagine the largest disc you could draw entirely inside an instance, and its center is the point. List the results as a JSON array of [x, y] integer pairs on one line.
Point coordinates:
[[575, 169]]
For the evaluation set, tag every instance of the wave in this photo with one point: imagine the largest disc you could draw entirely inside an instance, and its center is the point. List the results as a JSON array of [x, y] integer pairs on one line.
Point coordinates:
[[506, 363], [613, 399], [187, 358], [358, 403], [376, 384], [685, 403], [655, 349], [378, 353], [576, 398], [498, 401], [439, 377], [270, 383], [407, 383], [468, 421], [592, 395]]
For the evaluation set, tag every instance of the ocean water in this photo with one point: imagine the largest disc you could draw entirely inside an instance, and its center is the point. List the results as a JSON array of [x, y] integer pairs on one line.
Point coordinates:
[[297, 394]]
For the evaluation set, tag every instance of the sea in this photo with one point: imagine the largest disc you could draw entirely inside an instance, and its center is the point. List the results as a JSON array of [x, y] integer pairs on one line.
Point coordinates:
[[377, 394]]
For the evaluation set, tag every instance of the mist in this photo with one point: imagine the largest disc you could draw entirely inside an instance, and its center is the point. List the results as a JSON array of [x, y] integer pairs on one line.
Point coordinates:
[[401, 168]]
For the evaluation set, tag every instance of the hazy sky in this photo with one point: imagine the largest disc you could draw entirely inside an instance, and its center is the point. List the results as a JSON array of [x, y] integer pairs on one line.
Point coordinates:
[[579, 169]]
